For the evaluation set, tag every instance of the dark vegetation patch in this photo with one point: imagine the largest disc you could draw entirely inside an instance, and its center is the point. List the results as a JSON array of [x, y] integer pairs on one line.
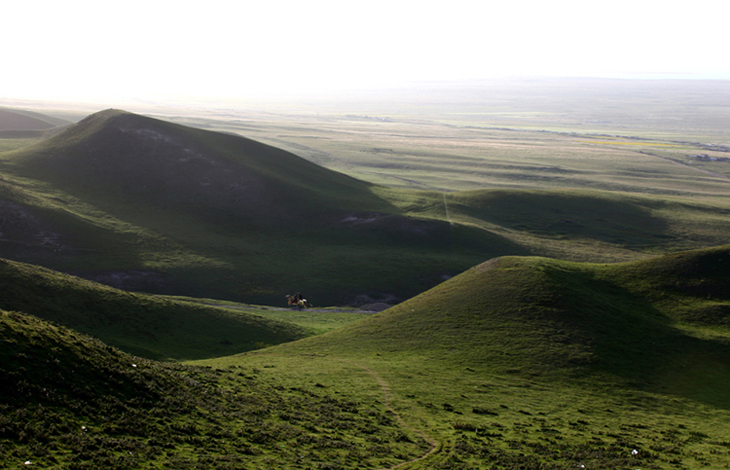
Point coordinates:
[[26, 235], [568, 214]]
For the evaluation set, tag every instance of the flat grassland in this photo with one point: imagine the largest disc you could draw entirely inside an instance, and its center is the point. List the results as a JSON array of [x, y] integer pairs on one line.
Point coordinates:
[[631, 136]]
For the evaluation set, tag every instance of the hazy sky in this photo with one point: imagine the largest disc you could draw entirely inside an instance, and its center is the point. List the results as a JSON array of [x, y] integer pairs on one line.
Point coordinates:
[[153, 49]]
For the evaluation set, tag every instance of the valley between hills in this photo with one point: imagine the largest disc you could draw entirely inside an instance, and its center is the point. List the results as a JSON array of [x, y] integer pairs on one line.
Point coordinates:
[[490, 290]]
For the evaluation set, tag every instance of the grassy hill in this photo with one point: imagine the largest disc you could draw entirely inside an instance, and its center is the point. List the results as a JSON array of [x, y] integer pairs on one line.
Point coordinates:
[[19, 120], [69, 401], [539, 363], [140, 324], [115, 157], [517, 363], [656, 324], [147, 205], [215, 215]]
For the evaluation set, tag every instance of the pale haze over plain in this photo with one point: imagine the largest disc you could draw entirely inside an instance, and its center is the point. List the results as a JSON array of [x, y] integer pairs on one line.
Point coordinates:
[[79, 50]]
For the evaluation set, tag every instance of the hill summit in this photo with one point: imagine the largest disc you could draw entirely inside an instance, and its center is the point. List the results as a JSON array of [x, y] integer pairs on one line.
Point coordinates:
[[114, 155]]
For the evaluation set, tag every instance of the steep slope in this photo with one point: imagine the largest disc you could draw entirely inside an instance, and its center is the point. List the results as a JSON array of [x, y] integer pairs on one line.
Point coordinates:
[[139, 324], [660, 324]]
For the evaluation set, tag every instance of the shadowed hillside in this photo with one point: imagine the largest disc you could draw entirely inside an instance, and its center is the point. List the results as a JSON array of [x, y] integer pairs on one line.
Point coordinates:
[[139, 324], [116, 157]]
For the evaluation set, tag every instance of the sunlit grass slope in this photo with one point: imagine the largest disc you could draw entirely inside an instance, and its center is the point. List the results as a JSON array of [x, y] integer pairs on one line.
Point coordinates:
[[661, 324], [528, 362], [137, 323], [70, 401]]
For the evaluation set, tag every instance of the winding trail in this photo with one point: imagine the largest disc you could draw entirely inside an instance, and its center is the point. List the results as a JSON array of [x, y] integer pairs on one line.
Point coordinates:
[[451, 224], [446, 208], [434, 445]]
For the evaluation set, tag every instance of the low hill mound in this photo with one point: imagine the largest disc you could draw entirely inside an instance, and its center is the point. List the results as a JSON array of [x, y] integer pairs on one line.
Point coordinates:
[[660, 323], [140, 324], [21, 120], [48, 363]]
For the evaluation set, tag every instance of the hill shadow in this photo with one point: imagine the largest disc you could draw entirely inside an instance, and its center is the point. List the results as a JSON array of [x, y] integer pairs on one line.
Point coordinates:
[[631, 338], [568, 214], [151, 327]]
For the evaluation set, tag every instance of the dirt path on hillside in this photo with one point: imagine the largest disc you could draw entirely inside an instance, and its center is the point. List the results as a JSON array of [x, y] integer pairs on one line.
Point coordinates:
[[435, 446]]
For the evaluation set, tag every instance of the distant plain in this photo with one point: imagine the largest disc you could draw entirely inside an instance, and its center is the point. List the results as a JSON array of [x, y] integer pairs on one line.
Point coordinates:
[[608, 135]]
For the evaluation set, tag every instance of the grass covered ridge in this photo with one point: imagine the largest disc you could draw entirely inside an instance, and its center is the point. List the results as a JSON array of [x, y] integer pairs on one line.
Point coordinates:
[[148, 326], [22, 120]]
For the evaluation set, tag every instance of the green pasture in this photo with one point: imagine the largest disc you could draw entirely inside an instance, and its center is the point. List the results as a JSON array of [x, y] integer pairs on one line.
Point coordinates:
[[477, 419], [314, 320], [535, 363], [7, 144], [545, 314], [71, 401], [413, 155]]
